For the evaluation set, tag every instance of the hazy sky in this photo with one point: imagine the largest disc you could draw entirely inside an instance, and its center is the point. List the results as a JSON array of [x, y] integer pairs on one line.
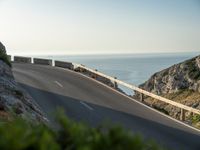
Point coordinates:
[[99, 26]]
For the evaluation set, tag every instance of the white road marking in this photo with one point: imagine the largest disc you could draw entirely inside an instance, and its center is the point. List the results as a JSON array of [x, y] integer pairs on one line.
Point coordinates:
[[86, 105], [59, 84]]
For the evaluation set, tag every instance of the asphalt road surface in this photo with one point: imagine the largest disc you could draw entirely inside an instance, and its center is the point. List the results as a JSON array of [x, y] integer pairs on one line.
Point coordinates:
[[84, 99]]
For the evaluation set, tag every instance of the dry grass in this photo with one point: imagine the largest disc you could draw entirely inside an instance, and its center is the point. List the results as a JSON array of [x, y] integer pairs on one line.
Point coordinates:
[[187, 97]]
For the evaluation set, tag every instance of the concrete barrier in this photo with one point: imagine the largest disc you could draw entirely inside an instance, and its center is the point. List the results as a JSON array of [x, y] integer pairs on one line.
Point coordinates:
[[20, 59], [42, 61], [63, 64]]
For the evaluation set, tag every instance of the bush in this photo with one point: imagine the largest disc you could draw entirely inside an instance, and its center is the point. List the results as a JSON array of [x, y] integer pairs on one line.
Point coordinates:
[[193, 70], [20, 135], [195, 118], [4, 57]]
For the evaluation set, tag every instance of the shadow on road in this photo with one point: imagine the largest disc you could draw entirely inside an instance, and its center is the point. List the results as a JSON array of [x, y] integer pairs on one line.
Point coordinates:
[[94, 115]]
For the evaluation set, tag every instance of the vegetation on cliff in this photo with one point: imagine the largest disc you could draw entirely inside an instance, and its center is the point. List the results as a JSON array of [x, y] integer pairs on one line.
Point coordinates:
[[3, 55]]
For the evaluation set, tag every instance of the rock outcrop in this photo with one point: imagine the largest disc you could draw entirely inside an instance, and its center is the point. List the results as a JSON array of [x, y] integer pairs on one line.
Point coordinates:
[[180, 82], [185, 75], [14, 101]]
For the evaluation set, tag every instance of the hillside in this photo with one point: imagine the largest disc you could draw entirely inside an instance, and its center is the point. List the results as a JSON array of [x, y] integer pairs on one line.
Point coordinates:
[[181, 83]]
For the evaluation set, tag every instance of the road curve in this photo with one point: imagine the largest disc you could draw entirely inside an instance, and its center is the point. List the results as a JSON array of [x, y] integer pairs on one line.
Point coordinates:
[[84, 99]]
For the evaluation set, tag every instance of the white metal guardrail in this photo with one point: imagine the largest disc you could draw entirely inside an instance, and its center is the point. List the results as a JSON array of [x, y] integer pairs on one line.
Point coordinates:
[[144, 92]]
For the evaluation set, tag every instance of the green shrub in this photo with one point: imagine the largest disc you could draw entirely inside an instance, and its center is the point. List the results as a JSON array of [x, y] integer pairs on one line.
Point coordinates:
[[20, 135], [193, 70], [4, 57], [195, 118]]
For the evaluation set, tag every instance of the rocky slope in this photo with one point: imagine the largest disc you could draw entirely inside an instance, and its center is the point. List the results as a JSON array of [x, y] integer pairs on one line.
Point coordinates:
[[14, 101], [185, 75], [180, 82]]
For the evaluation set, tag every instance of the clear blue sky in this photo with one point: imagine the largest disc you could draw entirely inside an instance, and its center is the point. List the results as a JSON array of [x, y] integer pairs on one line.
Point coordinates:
[[99, 26]]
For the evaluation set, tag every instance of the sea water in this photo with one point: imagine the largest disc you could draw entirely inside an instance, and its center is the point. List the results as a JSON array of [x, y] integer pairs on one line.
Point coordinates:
[[131, 68]]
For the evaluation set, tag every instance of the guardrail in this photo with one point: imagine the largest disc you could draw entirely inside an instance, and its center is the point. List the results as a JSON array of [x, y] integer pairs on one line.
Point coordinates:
[[42, 61], [143, 92], [21, 59], [63, 64]]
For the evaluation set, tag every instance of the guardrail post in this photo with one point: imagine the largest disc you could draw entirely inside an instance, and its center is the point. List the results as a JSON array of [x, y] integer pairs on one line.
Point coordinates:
[[182, 116], [95, 75], [115, 84], [141, 97]]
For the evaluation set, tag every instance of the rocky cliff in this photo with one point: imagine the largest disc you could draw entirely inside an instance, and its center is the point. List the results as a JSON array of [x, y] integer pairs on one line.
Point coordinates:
[[14, 101], [180, 82], [185, 75]]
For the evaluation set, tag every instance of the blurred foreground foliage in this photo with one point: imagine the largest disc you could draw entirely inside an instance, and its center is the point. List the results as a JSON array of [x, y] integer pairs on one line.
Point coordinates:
[[21, 135]]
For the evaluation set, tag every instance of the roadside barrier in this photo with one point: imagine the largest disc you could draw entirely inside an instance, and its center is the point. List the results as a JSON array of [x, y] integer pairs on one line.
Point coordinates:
[[42, 61], [63, 64], [21, 59]]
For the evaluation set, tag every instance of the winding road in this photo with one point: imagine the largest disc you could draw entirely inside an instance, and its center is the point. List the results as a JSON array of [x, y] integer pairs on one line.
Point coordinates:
[[87, 100]]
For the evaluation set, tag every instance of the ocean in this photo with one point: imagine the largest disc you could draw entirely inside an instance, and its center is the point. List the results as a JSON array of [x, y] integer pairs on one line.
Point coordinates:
[[131, 68]]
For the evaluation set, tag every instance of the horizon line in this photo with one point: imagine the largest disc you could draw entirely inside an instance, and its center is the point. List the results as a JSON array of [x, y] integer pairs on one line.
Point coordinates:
[[82, 54]]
